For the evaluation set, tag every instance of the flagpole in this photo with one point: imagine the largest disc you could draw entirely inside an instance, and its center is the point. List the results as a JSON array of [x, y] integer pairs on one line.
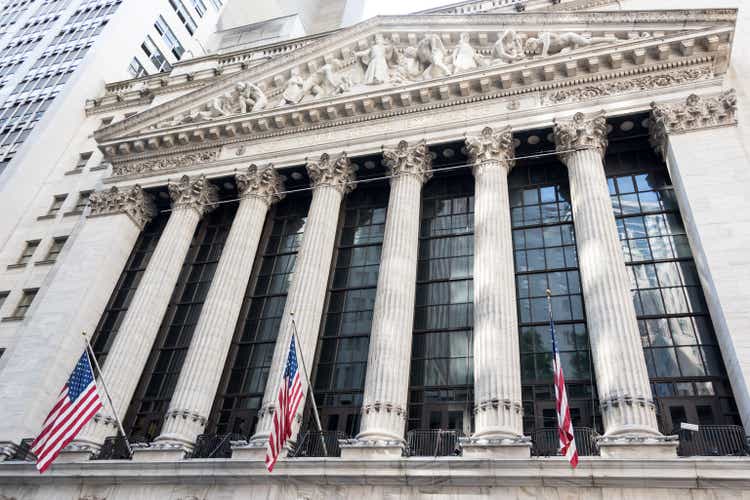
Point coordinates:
[[90, 350], [309, 386]]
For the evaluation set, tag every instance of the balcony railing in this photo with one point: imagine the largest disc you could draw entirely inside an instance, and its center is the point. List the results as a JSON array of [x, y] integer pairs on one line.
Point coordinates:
[[713, 441], [114, 448], [310, 444], [546, 442], [215, 445], [433, 443]]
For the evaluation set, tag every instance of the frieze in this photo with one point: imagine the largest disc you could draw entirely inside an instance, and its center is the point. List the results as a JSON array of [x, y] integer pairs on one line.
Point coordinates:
[[134, 202], [617, 87], [181, 160]]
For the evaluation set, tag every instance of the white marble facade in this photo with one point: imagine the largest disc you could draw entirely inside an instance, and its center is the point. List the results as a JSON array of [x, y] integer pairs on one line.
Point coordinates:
[[396, 85]]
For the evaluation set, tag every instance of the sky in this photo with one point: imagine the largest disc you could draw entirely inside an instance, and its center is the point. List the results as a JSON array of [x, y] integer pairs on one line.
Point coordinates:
[[390, 7]]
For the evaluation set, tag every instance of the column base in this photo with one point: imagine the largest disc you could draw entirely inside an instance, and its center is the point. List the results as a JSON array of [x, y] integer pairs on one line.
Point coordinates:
[[158, 452], [359, 449], [496, 448], [638, 447], [256, 450]]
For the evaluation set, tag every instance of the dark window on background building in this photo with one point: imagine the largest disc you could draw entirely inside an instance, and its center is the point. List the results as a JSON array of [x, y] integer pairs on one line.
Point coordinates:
[[343, 346], [545, 257], [169, 38], [155, 55], [441, 384], [685, 366], [160, 375], [244, 381], [126, 286], [184, 15]]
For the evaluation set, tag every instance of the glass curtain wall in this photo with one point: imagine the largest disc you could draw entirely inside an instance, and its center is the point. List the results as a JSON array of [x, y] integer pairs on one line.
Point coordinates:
[[685, 366], [146, 412], [339, 377], [441, 386], [241, 391], [545, 257]]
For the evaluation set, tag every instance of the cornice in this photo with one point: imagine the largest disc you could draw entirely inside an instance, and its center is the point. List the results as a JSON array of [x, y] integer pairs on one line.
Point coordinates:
[[583, 21]]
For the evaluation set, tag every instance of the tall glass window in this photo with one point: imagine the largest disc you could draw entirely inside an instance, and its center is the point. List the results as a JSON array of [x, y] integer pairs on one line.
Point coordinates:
[[684, 363], [129, 279], [244, 381], [344, 342], [155, 55], [159, 378], [545, 257], [441, 385], [169, 37]]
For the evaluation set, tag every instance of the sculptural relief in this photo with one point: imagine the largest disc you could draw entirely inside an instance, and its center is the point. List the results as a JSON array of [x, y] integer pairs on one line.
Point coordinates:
[[431, 53], [293, 93], [376, 58], [464, 57], [548, 43], [508, 48]]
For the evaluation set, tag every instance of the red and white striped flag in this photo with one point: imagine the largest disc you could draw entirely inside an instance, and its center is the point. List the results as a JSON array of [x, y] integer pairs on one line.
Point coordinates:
[[77, 403], [290, 396], [564, 424]]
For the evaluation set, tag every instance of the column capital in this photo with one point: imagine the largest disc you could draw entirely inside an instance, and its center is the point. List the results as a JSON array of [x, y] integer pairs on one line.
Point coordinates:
[[581, 132], [695, 113], [492, 146], [260, 182], [193, 192], [133, 201], [337, 173], [405, 160]]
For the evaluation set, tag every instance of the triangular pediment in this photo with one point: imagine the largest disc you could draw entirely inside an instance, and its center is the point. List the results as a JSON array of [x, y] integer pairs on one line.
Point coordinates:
[[405, 61]]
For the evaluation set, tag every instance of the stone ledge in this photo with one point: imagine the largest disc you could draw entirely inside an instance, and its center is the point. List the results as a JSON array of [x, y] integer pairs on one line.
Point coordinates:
[[703, 472]]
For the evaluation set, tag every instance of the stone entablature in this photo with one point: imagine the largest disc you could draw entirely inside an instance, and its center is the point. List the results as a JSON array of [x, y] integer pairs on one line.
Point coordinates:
[[576, 57]]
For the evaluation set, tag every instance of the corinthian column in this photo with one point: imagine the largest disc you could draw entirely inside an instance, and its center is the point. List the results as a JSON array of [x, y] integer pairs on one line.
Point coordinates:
[[387, 381], [497, 360], [49, 342], [199, 379], [331, 180], [627, 406], [191, 198]]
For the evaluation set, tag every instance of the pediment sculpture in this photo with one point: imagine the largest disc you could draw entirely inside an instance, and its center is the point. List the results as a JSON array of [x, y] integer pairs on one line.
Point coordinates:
[[382, 64]]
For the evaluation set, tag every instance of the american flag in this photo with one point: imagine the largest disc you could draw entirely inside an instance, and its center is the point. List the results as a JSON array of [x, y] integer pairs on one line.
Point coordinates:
[[77, 403], [564, 424], [290, 396]]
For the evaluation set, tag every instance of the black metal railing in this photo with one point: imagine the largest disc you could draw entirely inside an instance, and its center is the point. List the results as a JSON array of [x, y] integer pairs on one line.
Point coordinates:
[[433, 443], [215, 445], [23, 451], [114, 448], [713, 441], [546, 442], [310, 444]]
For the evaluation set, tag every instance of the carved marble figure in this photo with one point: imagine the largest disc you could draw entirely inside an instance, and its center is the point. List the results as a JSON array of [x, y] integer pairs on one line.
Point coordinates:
[[293, 92], [376, 58], [464, 57], [548, 43], [431, 53], [327, 80], [407, 67], [508, 48]]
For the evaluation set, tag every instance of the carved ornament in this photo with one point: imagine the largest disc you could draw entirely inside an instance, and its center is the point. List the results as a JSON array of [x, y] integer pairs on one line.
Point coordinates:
[[196, 192], [405, 160], [338, 174], [694, 114], [260, 182], [133, 201], [581, 132], [182, 160], [491, 146]]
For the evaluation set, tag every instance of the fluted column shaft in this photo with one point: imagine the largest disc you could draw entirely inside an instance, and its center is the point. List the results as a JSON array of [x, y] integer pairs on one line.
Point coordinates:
[[621, 374], [387, 381], [307, 292], [497, 360], [196, 387], [136, 336]]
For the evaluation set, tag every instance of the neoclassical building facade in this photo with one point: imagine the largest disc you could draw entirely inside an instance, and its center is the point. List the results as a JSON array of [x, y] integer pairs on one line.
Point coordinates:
[[403, 195]]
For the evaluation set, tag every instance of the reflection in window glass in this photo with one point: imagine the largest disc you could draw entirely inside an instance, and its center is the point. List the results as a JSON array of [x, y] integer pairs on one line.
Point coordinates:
[[442, 374], [246, 371], [678, 340]]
